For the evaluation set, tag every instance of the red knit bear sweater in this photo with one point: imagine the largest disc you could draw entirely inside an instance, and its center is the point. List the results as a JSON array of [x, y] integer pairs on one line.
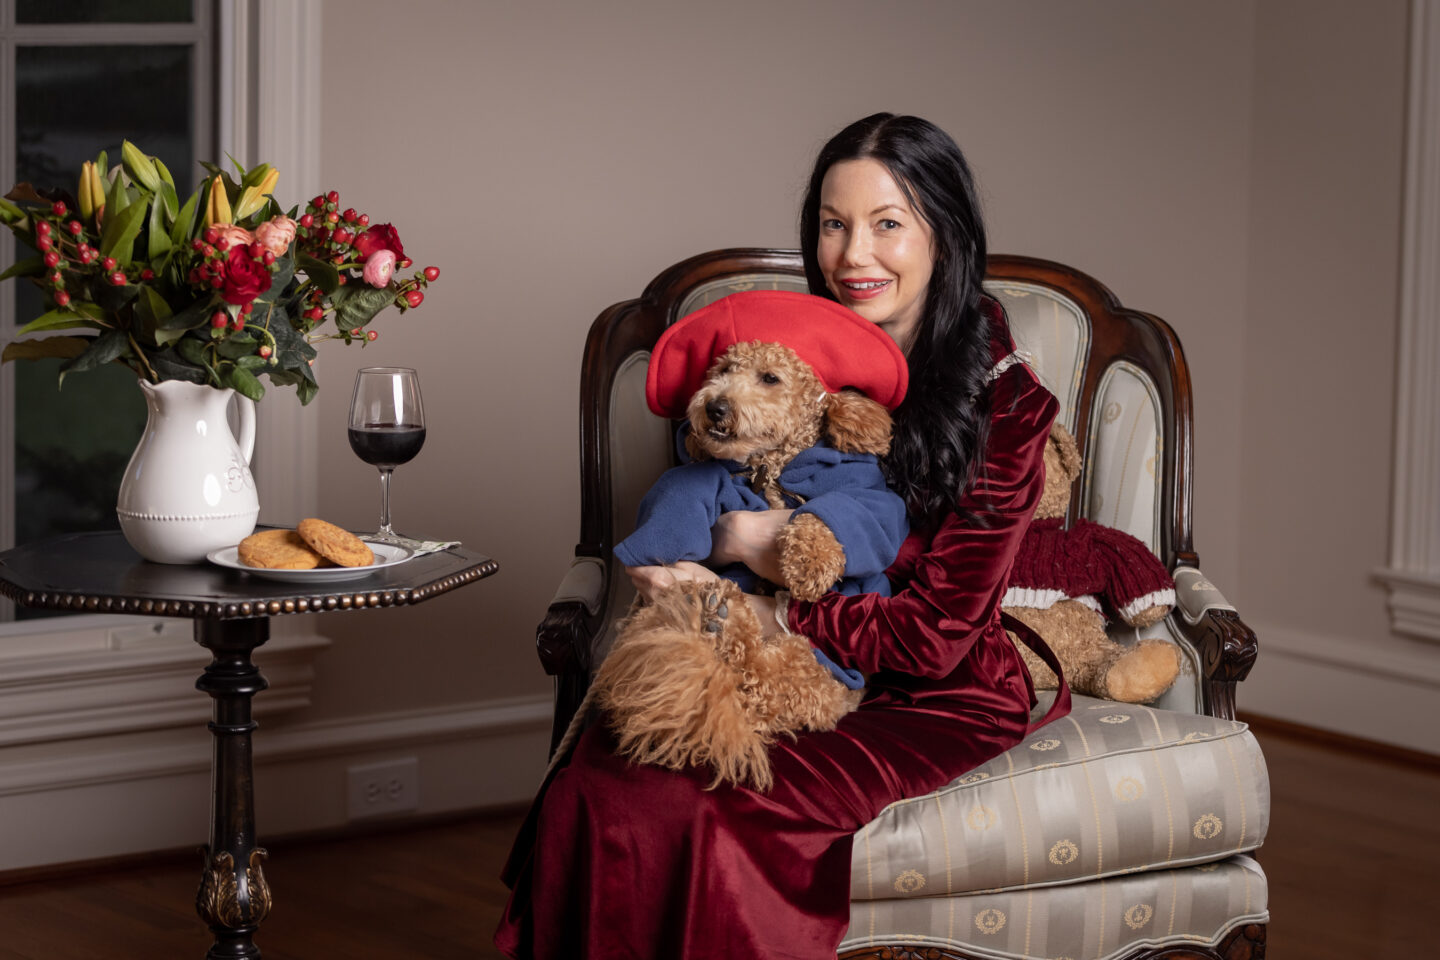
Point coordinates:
[[1089, 563]]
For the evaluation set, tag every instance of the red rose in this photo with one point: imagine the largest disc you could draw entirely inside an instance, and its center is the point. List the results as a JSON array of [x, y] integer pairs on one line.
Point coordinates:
[[381, 236], [244, 278]]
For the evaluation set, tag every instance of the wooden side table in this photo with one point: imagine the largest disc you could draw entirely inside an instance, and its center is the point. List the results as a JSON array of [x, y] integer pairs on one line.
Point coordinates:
[[100, 573]]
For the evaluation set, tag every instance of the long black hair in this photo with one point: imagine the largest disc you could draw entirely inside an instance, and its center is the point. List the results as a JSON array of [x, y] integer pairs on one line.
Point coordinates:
[[942, 426]]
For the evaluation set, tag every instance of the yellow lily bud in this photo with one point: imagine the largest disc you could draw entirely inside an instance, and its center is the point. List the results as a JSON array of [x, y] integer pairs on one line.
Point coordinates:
[[217, 210], [253, 198], [92, 192]]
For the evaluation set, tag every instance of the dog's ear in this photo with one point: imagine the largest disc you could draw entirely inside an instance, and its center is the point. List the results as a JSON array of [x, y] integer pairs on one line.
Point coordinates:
[[856, 424]]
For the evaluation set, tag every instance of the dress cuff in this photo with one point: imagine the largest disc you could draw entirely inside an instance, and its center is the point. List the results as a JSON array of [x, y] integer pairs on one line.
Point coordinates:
[[782, 609]]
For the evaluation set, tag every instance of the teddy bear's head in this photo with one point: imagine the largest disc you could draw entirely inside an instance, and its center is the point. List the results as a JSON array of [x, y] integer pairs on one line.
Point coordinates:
[[1062, 466]]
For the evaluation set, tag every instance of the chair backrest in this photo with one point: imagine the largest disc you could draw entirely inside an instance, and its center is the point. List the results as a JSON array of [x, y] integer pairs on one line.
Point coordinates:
[[1120, 376]]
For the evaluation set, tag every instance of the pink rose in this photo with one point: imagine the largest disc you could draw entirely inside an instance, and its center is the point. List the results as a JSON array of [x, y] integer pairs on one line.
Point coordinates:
[[380, 236], [379, 266], [276, 234], [232, 235]]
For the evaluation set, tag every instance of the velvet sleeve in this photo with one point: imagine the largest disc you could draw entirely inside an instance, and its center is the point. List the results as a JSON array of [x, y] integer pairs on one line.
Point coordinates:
[[929, 626]]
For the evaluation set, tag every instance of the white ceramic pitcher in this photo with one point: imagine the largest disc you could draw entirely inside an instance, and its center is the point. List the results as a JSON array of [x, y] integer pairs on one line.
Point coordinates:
[[188, 488]]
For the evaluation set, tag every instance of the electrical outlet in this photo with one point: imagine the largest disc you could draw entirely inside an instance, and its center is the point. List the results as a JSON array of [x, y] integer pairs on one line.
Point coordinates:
[[385, 788]]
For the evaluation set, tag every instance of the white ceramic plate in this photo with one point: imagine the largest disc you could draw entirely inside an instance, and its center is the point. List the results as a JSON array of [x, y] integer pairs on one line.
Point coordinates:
[[386, 555]]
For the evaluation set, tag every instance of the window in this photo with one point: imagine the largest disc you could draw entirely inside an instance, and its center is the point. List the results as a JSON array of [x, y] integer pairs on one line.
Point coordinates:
[[76, 77]]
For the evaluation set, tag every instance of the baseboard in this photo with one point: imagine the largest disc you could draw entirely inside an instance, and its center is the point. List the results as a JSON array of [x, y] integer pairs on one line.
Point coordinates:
[[98, 800], [1265, 726], [1385, 690]]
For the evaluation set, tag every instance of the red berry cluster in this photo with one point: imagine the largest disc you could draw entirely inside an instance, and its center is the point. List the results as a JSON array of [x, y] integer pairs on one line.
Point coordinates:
[[215, 271], [62, 250]]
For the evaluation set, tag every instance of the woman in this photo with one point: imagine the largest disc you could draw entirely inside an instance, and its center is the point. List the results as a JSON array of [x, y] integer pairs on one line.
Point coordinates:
[[618, 860]]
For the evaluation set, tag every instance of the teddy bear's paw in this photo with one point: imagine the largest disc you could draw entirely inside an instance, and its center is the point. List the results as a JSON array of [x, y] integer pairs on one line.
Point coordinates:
[[811, 559], [1143, 673]]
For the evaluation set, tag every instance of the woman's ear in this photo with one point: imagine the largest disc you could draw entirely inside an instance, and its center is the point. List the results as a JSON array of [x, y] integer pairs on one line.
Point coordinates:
[[856, 424]]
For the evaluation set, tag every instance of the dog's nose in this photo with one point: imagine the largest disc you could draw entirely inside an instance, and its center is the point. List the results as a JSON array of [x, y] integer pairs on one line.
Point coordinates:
[[717, 409]]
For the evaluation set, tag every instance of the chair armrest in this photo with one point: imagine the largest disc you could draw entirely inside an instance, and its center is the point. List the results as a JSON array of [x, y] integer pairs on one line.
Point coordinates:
[[1227, 646], [565, 637]]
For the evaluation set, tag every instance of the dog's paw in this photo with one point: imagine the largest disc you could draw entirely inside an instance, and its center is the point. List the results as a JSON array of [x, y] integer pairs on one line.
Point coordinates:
[[811, 559]]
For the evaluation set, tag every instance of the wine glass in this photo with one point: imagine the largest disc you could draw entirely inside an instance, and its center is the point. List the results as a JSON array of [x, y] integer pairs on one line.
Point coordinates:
[[387, 428]]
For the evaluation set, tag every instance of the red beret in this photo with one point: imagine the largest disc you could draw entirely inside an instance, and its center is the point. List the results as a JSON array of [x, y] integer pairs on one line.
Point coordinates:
[[844, 349]]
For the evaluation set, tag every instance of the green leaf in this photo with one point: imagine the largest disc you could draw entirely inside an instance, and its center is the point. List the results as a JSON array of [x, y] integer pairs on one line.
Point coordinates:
[[171, 366], [191, 316], [255, 175], [164, 172], [116, 197], [113, 298], [108, 346], [279, 280], [244, 383], [159, 240], [251, 362], [172, 201], [9, 212], [29, 267], [237, 345], [118, 238], [63, 348], [61, 319], [357, 304], [184, 221], [323, 275], [307, 390]]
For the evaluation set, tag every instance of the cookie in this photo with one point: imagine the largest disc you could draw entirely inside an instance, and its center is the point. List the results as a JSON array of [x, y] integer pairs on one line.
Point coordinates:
[[335, 544], [278, 550]]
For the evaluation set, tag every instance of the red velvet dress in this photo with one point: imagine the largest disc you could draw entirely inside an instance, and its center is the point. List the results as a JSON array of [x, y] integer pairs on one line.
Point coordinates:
[[624, 861]]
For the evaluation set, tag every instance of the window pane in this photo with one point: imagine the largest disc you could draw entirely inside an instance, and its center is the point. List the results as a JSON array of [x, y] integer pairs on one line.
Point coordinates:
[[103, 11], [71, 446], [72, 102]]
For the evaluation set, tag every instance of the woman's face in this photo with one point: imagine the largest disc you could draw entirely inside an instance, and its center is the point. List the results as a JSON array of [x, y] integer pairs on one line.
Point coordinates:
[[875, 251]]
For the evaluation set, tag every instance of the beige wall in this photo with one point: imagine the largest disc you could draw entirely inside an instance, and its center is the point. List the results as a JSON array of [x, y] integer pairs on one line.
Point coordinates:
[[1232, 167]]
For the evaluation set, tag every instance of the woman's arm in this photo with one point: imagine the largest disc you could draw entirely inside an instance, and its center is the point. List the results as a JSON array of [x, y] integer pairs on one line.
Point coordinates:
[[927, 628]]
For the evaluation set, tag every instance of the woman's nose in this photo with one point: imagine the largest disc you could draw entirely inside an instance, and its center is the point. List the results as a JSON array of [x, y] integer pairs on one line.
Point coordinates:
[[857, 248]]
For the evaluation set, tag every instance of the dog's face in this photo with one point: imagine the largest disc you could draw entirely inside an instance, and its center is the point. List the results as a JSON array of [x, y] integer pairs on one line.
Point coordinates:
[[757, 398]]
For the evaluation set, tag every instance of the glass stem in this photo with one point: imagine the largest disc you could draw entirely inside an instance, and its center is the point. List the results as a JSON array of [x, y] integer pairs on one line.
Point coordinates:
[[385, 530]]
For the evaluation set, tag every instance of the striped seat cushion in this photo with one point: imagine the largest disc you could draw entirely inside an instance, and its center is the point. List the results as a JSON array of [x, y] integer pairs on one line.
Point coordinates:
[[1110, 789]]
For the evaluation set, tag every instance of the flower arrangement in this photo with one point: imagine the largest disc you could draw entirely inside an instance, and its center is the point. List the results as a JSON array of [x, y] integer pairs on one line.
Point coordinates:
[[221, 290]]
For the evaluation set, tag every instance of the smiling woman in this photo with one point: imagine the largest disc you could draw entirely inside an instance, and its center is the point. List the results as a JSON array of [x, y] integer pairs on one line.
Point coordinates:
[[875, 250]]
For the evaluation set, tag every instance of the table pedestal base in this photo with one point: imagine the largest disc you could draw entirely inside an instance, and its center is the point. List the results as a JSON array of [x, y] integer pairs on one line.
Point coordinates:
[[234, 898]]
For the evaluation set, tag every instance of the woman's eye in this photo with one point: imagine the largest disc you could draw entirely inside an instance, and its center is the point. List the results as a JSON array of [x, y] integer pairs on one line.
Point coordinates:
[[831, 224], [888, 224], [769, 378]]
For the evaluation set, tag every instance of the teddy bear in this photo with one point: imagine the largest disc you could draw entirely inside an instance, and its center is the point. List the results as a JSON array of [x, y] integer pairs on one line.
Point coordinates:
[[1065, 580], [785, 399]]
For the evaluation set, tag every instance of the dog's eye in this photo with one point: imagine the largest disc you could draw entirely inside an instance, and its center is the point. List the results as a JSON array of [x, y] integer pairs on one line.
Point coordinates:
[[769, 378]]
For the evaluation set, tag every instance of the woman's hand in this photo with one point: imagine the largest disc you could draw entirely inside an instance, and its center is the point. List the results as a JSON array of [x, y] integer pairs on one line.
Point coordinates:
[[748, 537], [764, 608], [649, 580]]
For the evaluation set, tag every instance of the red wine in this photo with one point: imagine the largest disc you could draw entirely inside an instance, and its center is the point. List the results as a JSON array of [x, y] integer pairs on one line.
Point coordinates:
[[387, 445]]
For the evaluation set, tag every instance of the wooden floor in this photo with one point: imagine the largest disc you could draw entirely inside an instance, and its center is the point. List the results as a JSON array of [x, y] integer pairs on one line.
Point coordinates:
[[1353, 859]]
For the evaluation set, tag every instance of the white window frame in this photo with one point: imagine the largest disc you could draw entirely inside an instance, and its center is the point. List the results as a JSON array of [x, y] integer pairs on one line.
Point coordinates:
[[1413, 575], [268, 97]]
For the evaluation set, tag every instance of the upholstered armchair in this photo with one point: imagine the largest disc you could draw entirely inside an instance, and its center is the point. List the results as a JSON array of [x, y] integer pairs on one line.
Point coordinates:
[[1118, 832]]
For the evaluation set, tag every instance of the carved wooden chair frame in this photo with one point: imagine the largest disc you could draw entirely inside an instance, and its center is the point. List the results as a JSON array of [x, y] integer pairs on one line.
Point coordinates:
[[568, 636]]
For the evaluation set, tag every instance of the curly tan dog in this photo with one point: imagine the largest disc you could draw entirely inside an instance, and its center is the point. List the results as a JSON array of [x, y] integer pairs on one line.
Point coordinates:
[[761, 405], [690, 680]]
